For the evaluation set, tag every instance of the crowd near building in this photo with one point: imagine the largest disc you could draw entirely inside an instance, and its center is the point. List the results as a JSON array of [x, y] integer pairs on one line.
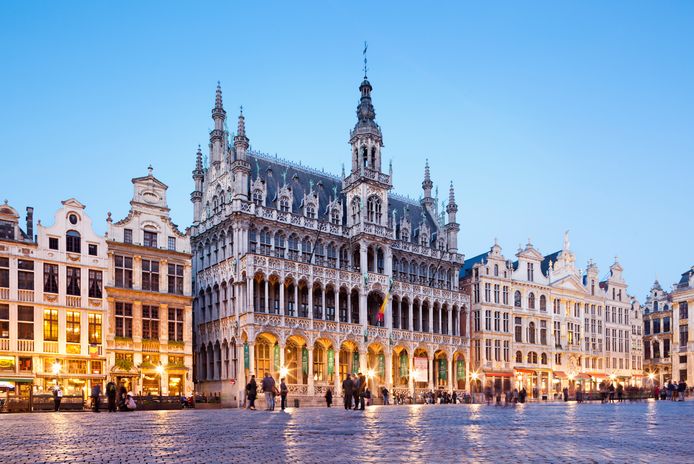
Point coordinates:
[[308, 276], [78, 309], [668, 344]]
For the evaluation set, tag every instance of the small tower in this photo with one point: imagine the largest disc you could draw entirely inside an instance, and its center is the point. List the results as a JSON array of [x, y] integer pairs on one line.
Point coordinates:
[[452, 227], [218, 136], [198, 178], [427, 185], [240, 167]]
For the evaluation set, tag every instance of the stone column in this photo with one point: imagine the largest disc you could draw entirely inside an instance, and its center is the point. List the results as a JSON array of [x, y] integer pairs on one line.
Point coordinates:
[[251, 361], [419, 310], [324, 305], [281, 358], [363, 361], [266, 304], [449, 312], [296, 299], [337, 306], [251, 295], [431, 372], [410, 380], [310, 302], [388, 316], [137, 272], [164, 276], [311, 388], [349, 306], [431, 318], [450, 373], [280, 286], [388, 354], [410, 316]]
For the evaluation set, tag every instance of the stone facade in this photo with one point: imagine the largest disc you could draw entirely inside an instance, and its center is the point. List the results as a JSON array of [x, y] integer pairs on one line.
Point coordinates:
[[149, 336], [668, 348], [541, 323], [292, 266], [52, 303]]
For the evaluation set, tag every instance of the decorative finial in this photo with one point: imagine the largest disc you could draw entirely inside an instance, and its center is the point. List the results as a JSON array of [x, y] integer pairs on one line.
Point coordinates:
[[108, 217], [496, 242], [567, 243], [6, 201], [366, 46], [150, 169]]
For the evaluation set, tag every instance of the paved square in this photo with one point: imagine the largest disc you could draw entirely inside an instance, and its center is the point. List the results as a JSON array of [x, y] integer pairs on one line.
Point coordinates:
[[640, 432]]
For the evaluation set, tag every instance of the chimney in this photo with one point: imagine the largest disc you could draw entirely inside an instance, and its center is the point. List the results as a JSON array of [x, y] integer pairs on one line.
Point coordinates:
[[30, 222]]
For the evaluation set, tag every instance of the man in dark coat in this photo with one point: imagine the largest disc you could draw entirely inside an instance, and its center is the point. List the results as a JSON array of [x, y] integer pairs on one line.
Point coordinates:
[[355, 391], [251, 392], [362, 390], [111, 395], [347, 391]]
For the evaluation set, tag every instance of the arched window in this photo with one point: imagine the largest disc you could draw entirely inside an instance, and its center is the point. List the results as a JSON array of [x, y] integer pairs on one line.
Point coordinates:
[[293, 244], [519, 357], [319, 253], [496, 270], [356, 206], [543, 358], [543, 303], [265, 241], [279, 245], [517, 299], [258, 197], [374, 209], [73, 241], [332, 255], [335, 216], [404, 234], [253, 239], [284, 204], [531, 332], [532, 358], [311, 211], [423, 240], [531, 301], [306, 249], [215, 204]]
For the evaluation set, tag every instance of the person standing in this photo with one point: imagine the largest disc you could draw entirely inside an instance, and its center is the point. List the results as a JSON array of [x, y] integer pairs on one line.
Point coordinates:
[[347, 391], [122, 397], [57, 397], [620, 392], [523, 395], [111, 396], [356, 390], [385, 393], [96, 397], [283, 394], [681, 389], [362, 391], [251, 392], [329, 397]]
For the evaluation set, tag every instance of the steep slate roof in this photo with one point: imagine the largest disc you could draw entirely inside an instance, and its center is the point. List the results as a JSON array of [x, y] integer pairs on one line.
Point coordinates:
[[544, 266], [302, 178], [470, 262], [684, 280]]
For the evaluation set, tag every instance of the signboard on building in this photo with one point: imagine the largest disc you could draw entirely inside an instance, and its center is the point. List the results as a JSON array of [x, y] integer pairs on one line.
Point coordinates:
[[421, 369]]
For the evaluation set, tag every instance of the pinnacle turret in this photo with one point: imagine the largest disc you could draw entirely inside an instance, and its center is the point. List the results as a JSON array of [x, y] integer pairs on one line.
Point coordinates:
[[240, 140]]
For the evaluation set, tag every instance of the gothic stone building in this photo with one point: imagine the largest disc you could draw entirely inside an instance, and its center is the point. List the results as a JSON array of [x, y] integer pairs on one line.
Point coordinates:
[[292, 265]]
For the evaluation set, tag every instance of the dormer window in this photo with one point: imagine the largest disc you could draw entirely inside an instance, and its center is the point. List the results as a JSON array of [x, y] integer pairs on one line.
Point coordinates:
[[335, 216], [258, 197], [73, 241], [356, 206], [127, 236], [284, 204], [311, 211], [150, 239], [424, 240], [404, 234]]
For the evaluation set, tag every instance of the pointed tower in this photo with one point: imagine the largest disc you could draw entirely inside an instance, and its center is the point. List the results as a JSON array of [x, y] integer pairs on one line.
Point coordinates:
[[218, 136], [427, 201], [452, 227], [366, 187], [240, 167], [198, 178]]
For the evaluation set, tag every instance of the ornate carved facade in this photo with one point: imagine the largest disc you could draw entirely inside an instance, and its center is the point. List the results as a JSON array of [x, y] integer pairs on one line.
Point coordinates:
[[292, 266]]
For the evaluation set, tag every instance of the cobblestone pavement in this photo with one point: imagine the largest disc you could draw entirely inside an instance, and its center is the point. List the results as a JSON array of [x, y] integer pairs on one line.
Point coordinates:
[[639, 432]]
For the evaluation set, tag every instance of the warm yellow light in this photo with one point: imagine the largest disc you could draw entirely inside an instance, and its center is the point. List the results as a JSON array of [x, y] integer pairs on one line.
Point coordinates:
[[612, 376], [475, 376], [159, 369], [370, 373], [571, 376], [651, 376], [283, 372], [56, 368]]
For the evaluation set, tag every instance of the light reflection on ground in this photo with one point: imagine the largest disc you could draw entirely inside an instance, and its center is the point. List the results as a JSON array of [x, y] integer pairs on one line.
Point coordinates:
[[442, 433]]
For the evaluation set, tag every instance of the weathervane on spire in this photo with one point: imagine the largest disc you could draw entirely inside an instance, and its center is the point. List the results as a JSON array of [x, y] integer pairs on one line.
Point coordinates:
[[366, 46]]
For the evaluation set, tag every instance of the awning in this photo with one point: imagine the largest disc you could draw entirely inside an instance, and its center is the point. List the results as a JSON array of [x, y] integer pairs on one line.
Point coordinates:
[[582, 376], [498, 373], [17, 379], [597, 375], [560, 375], [526, 371]]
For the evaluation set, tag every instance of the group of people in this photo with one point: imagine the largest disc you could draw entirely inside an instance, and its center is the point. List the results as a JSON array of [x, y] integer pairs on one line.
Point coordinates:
[[355, 391], [673, 391], [269, 387], [117, 398], [510, 396]]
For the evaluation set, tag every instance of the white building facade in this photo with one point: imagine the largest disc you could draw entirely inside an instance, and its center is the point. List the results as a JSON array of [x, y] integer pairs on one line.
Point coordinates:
[[292, 266]]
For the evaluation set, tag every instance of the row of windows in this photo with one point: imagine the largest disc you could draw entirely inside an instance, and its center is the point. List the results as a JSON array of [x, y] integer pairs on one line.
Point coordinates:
[[51, 278], [73, 243], [150, 322], [149, 239], [660, 325], [149, 275], [73, 325]]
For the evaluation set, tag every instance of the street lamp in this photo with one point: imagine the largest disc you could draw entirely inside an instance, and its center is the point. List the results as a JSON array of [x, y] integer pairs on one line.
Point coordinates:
[[160, 371], [56, 367], [283, 372]]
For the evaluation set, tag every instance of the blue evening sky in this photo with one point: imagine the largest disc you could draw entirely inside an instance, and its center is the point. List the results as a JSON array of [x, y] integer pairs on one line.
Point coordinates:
[[547, 116]]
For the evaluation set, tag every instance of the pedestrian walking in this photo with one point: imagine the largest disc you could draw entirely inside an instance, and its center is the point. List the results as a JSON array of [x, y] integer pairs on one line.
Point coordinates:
[[251, 392], [57, 397], [515, 395], [356, 390], [362, 391], [454, 398], [283, 394], [523, 394], [96, 397], [111, 391], [682, 389], [347, 391], [329, 397], [620, 392], [384, 393], [268, 386], [565, 392]]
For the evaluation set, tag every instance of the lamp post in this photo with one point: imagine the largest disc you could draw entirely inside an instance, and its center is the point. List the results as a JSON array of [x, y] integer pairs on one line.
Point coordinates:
[[160, 371]]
